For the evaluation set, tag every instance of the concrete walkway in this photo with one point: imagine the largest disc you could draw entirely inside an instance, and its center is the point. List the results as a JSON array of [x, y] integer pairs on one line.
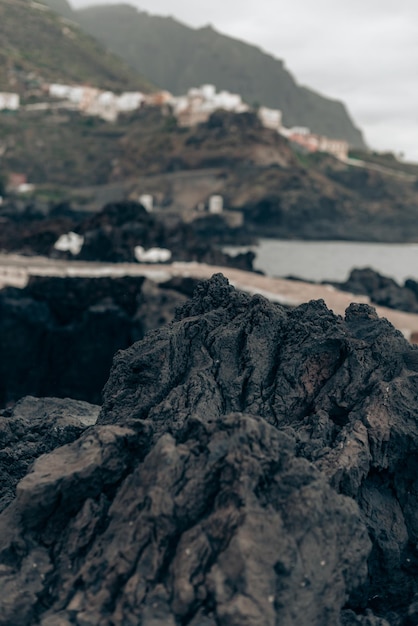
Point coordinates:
[[15, 270]]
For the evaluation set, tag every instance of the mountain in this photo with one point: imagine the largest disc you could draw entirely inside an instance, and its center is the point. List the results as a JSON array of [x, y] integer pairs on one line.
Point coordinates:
[[279, 193], [62, 7], [177, 57], [38, 45]]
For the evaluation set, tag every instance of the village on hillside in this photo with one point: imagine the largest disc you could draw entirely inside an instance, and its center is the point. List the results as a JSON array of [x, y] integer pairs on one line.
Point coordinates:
[[191, 109]]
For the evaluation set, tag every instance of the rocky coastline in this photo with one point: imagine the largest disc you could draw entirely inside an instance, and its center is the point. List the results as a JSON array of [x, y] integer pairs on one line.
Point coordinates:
[[244, 462], [250, 464], [112, 234], [382, 290]]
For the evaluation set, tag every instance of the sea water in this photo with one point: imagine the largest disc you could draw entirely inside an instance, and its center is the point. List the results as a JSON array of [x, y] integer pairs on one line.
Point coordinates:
[[333, 260]]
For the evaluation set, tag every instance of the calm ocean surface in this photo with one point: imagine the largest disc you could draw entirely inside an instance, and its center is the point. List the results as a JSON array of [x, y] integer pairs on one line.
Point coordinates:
[[333, 260]]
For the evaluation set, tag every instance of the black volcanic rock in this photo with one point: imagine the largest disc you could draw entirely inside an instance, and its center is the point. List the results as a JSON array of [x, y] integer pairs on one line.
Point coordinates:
[[30, 229], [58, 335], [382, 290], [250, 466], [112, 234], [34, 427]]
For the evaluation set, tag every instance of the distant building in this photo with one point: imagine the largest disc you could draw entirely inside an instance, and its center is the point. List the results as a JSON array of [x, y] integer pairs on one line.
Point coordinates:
[[158, 99], [130, 101], [26, 188], [103, 105], [84, 97], [270, 118], [216, 204], [295, 130], [9, 101], [201, 102], [306, 140], [17, 183], [73, 93], [58, 91], [92, 101], [338, 147], [311, 142]]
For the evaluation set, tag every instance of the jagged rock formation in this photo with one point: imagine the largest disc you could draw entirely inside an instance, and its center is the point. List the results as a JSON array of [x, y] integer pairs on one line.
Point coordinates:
[[382, 289], [35, 426], [250, 466]]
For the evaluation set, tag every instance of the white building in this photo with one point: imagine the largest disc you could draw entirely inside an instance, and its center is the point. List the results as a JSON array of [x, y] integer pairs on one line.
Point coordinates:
[[270, 118], [130, 101], [9, 101], [216, 204], [337, 147], [73, 93], [295, 130], [316, 143], [93, 101], [201, 102], [59, 91], [208, 92]]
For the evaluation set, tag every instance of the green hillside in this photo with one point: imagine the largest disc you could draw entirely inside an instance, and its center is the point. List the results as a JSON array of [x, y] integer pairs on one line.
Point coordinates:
[[38, 45], [176, 57]]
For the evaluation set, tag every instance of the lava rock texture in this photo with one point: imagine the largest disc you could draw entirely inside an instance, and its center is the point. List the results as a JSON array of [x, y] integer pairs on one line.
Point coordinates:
[[58, 335], [382, 289], [251, 466], [35, 426]]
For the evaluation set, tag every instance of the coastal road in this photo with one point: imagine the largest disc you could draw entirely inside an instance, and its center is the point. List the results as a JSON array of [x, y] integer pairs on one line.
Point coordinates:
[[15, 270]]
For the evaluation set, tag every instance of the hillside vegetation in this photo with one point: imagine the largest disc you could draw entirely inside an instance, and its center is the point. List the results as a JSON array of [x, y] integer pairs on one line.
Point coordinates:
[[177, 57], [281, 194], [37, 45]]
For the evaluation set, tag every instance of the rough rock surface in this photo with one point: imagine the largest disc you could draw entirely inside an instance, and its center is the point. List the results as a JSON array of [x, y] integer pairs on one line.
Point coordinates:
[[34, 427], [58, 336], [382, 289], [251, 466]]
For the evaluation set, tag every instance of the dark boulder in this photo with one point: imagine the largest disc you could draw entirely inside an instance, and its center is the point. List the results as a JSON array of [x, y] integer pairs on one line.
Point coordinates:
[[58, 335], [382, 290], [36, 426], [112, 235], [250, 466]]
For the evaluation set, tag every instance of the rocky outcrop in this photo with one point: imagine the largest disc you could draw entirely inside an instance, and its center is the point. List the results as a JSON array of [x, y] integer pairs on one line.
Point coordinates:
[[58, 336], [112, 234], [32, 229], [250, 466], [382, 290], [36, 426]]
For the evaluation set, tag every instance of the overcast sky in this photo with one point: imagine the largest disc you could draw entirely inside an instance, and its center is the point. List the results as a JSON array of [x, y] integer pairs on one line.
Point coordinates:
[[363, 52]]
